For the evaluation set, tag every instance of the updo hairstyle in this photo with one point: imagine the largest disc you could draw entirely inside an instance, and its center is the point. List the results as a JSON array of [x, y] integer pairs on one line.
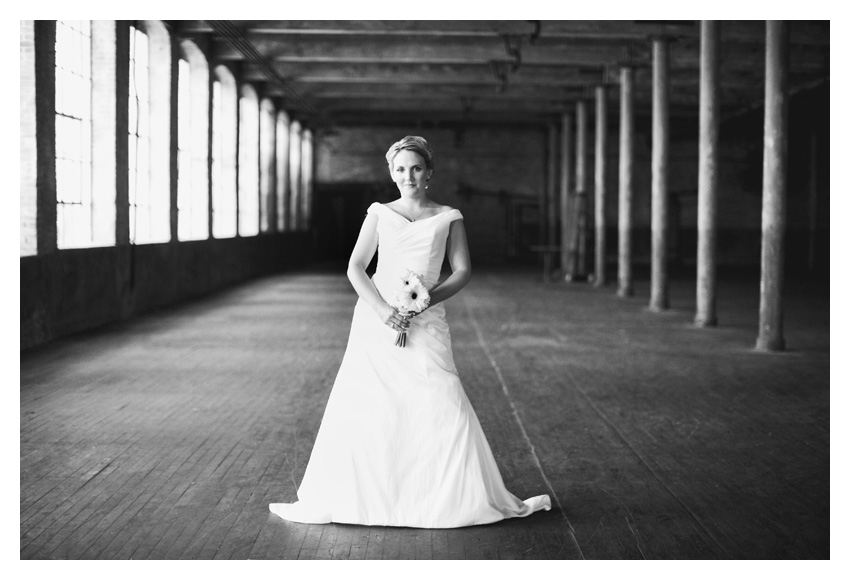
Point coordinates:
[[412, 143]]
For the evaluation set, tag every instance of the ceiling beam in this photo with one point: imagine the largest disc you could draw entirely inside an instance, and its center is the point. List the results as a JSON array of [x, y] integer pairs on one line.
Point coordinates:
[[317, 48], [810, 32], [595, 29], [466, 51], [425, 73], [407, 101], [512, 93], [311, 76], [438, 28]]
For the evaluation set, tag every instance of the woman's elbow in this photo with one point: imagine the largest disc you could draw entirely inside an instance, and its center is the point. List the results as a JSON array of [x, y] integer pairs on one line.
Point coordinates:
[[354, 268]]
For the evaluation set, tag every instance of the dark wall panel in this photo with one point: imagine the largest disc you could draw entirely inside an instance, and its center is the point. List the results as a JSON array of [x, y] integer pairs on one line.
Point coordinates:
[[74, 290]]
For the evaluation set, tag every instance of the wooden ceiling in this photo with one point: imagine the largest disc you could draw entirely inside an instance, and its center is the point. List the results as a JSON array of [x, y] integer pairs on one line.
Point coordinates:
[[331, 72]]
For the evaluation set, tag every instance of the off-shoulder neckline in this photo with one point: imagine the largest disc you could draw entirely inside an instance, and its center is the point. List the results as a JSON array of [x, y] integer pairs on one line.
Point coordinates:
[[389, 209]]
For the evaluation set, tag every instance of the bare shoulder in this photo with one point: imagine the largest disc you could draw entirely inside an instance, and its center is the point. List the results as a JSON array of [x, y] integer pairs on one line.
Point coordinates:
[[440, 208]]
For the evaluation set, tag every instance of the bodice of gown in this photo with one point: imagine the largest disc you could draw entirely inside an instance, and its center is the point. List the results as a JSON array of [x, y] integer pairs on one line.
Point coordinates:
[[418, 246]]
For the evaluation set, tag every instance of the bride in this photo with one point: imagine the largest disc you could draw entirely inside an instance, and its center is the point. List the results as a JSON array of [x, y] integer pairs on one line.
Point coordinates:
[[399, 444]]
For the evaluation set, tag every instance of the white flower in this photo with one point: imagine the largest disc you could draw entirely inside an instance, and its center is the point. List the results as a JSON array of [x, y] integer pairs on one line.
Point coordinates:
[[413, 297], [410, 278]]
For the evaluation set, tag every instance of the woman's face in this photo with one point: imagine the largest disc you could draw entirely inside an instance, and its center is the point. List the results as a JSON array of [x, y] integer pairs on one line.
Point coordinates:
[[410, 173]]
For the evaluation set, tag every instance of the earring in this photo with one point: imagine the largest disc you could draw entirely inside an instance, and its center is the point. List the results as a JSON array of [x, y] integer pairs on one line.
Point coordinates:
[[426, 187]]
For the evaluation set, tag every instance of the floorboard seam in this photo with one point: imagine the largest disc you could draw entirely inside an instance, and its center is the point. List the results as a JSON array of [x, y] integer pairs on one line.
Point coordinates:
[[515, 413], [643, 461]]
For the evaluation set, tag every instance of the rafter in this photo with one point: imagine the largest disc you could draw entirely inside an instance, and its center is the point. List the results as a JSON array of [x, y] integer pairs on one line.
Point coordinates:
[[513, 68]]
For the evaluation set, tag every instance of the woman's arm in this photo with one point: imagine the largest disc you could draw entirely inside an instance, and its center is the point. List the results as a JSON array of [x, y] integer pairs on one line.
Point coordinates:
[[458, 253], [364, 250]]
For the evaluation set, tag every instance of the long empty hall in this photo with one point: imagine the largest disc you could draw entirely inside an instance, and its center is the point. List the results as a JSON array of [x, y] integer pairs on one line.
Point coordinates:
[[616, 252]]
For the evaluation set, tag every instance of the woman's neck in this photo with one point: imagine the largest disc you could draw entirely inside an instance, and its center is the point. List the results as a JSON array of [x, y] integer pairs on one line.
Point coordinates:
[[413, 207], [419, 201]]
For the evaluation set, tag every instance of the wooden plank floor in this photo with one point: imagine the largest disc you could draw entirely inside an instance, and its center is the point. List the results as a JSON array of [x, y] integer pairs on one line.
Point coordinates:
[[167, 436]]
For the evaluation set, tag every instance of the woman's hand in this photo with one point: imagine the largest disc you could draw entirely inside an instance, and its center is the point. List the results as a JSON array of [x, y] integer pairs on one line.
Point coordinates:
[[393, 318]]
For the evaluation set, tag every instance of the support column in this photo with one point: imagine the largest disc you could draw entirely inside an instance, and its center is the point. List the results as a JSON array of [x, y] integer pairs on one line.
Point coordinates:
[[552, 188], [600, 186], [542, 206], [709, 122], [624, 273], [566, 230], [774, 187], [204, 45], [660, 153], [173, 211], [581, 188], [813, 199], [44, 41]]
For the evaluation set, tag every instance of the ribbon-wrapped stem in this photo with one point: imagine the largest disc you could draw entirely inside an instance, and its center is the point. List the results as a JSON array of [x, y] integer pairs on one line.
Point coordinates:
[[401, 338]]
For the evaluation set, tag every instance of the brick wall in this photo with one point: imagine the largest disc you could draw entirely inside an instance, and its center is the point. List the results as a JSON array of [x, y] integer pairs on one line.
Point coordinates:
[[473, 167]]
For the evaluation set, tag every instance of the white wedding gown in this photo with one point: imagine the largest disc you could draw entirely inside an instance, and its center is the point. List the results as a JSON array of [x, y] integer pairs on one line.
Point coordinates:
[[399, 444]]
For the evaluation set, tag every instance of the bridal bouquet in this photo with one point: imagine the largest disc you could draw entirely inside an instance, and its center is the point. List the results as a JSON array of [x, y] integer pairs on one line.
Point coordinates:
[[410, 297]]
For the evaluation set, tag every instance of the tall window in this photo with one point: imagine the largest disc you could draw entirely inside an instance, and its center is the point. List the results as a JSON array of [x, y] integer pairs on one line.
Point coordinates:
[[192, 108], [73, 134], [249, 162], [267, 165], [224, 103], [29, 143], [184, 153], [294, 175], [282, 160], [306, 178], [149, 133], [85, 145]]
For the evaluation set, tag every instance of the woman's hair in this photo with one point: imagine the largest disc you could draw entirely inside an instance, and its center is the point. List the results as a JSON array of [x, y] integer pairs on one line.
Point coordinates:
[[412, 143]]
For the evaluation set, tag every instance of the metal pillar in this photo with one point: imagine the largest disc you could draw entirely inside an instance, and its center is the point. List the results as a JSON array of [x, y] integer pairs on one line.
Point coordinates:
[[774, 187], [709, 122], [624, 272], [660, 153], [599, 206], [581, 187], [566, 152]]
